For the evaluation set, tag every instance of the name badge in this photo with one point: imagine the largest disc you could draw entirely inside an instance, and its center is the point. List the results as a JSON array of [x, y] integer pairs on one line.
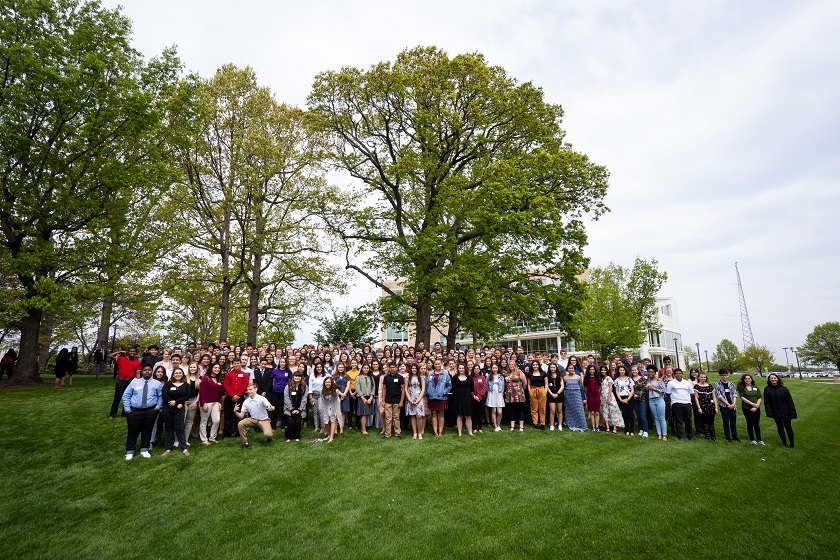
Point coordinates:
[[172, 388], [396, 380], [294, 393], [241, 375]]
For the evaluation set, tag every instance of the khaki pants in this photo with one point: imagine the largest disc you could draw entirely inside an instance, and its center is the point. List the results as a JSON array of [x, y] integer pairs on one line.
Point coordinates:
[[265, 426], [392, 416], [538, 395]]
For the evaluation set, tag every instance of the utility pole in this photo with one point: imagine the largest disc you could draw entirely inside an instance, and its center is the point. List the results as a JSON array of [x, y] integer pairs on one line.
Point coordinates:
[[787, 362], [799, 367], [677, 349], [707, 360], [698, 357]]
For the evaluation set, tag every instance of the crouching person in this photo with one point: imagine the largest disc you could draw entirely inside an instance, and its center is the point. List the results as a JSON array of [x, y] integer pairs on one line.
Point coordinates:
[[253, 412]]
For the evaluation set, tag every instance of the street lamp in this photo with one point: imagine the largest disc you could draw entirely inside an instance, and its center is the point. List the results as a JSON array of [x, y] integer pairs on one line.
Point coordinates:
[[707, 360], [677, 349], [698, 357], [799, 367], [785, 348]]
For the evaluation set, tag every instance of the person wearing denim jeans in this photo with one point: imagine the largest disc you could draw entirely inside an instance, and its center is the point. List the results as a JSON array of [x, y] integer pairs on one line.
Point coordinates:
[[640, 400]]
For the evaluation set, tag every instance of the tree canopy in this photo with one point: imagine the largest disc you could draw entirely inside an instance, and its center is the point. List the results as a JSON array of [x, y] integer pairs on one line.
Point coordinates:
[[459, 169], [822, 345], [727, 355], [620, 307]]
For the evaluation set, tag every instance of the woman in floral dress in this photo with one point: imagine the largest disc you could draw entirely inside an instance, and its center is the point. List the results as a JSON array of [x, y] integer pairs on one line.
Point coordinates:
[[609, 407], [515, 396], [415, 409]]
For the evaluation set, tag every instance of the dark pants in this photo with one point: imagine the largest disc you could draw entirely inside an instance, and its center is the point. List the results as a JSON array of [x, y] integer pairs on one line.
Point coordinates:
[[682, 416], [173, 419], [730, 427], [627, 414], [231, 420], [7, 369], [276, 416], [783, 425], [119, 389], [698, 421], [477, 414], [140, 422], [641, 409], [753, 422], [293, 425]]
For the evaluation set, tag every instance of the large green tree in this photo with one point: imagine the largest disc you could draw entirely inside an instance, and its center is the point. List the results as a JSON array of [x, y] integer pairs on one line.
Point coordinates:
[[251, 190], [357, 325], [757, 356], [822, 345], [727, 355], [453, 159], [620, 307], [77, 107]]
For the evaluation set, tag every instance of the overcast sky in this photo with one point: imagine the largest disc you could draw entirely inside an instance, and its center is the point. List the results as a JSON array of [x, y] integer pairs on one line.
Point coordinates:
[[719, 123]]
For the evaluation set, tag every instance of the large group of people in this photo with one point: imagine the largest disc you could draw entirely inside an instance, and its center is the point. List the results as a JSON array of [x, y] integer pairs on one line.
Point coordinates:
[[222, 391]]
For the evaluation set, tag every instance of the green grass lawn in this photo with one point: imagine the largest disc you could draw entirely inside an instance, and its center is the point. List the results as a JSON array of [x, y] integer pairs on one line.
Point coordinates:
[[67, 491]]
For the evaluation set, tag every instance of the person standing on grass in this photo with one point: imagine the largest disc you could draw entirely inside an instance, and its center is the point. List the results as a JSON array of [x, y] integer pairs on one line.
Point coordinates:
[[515, 395], [415, 388], [394, 398], [191, 407], [236, 385], [252, 411], [294, 406], [343, 384], [750, 396], [624, 389], [779, 406], [656, 401], [727, 398], [280, 377], [316, 383], [141, 400], [681, 392], [438, 385], [592, 383], [160, 375], [176, 393], [72, 364], [640, 399], [462, 388], [364, 397], [575, 398], [537, 394], [495, 395], [610, 412], [554, 397], [479, 395], [62, 364], [210, 393], [330, 405], [706, 406]]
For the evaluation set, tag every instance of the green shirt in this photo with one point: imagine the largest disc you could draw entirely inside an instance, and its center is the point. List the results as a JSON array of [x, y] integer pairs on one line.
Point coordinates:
[[753, 395]]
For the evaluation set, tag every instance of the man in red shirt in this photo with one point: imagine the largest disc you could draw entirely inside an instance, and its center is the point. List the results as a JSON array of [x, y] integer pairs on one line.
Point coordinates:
[[236, 384], [128, 366]]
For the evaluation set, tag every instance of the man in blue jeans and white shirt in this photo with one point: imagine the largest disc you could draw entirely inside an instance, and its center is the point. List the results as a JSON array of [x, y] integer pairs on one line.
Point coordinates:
[[142, 401], [726, 396]]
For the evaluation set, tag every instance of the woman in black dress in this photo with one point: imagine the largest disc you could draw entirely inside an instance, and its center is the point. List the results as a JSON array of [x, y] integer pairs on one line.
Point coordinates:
[[462, 388], [706, 405], [779, 406], [62, 363]]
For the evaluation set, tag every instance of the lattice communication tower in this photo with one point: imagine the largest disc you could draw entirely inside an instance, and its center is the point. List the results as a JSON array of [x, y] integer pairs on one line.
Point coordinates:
[[746, 328]]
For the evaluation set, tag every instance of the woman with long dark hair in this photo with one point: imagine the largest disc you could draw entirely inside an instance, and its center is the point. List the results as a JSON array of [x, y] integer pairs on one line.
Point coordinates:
[[750, 396], [592, 385], [294, 405], [706, 404], [176, 393], [479, 395], [624, 393], [554, 397], [330, 403], [779, 406]]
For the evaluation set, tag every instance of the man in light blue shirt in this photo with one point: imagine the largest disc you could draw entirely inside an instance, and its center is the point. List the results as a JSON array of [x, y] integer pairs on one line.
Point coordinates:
[[142, 401]]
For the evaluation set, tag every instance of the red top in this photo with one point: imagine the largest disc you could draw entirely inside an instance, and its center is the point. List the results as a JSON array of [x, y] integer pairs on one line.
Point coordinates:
[[127, 369], [236, 382], [479, 386], [209, 391]]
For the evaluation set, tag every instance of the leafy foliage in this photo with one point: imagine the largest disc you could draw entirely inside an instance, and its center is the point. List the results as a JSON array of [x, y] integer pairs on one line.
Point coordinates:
[[727, 355], [822, 345], [358, 325], [467, 193], [620, 307], [757, 356]]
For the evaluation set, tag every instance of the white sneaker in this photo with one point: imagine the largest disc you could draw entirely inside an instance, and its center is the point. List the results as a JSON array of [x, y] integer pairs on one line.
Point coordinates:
[[146, 454], [551, 429], [644, 434], [760, 442], [129, 456], [560, 427], [641, 433], [753, 442]]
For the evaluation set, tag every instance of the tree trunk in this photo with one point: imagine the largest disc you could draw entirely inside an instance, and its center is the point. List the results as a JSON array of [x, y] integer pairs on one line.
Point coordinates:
[[255, 287], [26, 370], [45, 332], [452, 330], [224, 307], [423, 326], [224, 250], [105, 322]]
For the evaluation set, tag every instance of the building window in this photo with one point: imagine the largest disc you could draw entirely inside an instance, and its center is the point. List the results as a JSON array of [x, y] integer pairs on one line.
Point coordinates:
[[397, 334], [666, 310]]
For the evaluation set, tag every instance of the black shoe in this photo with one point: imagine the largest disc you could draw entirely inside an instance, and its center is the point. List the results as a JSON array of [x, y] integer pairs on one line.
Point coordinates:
[[680, 438], [690, 438], [399, 437], [269, 440], [735, 438], [714, 439], [729, 439], [244, 446]]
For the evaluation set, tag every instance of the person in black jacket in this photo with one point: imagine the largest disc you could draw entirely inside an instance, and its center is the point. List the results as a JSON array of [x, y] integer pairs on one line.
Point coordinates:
[[779, 406], [62, 364], [176, 393]]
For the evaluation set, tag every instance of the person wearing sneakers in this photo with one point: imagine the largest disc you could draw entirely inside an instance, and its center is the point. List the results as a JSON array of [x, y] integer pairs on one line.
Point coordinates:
[[142, 401], [252, 412]]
